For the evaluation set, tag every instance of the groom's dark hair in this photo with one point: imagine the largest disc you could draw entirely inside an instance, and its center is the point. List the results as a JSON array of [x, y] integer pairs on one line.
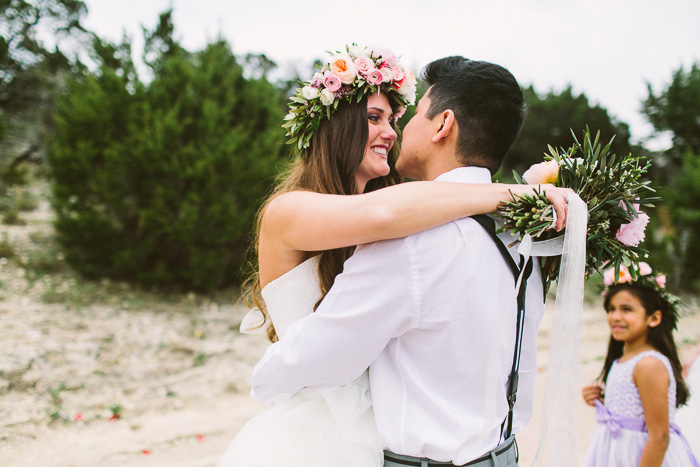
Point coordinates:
[[488, 104]]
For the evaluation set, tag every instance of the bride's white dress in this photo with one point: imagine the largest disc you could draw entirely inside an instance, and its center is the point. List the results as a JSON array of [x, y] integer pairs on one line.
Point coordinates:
[[330, 427]]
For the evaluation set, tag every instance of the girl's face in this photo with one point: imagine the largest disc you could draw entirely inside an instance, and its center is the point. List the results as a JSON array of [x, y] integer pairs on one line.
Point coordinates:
[[628, 319], [381, 138]]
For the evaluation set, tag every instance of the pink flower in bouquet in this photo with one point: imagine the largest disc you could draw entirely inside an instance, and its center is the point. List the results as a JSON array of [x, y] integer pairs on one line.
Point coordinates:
[[633, 232], [344, 68], [364, 65], [331, 82], [375, 77], [661, 280], [544, 172]]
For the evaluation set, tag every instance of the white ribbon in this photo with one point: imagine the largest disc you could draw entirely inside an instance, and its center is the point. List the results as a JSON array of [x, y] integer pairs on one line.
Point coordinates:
[[558, 445]]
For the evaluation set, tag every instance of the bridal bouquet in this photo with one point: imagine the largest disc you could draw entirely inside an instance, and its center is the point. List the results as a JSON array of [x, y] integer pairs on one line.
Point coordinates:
[[611, 186]]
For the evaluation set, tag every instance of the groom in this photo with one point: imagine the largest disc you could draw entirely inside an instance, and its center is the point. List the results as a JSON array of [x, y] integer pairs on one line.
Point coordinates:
[[432, 315]]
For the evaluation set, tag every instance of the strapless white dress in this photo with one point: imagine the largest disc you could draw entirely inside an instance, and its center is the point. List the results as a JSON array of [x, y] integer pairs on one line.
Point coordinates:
[[330, 427]]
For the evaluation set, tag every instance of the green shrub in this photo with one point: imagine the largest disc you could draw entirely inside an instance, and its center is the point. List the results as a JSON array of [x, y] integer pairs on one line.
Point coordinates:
[[159, 183]]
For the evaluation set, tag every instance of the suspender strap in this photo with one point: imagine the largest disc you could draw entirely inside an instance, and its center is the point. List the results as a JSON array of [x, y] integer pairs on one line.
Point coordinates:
[[526, 269]]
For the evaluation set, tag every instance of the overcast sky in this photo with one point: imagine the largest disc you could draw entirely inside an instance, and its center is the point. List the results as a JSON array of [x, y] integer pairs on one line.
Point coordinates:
[[608, 49]]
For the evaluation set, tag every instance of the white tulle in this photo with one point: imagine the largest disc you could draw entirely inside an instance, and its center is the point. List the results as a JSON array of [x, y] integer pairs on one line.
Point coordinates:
[[558, 445]]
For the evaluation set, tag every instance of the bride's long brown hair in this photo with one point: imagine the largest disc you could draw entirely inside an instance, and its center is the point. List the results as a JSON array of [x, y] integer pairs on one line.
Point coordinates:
[[336, 151]]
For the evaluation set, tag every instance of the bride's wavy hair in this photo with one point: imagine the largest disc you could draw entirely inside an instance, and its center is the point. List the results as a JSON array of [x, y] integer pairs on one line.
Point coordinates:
[[336, 151]]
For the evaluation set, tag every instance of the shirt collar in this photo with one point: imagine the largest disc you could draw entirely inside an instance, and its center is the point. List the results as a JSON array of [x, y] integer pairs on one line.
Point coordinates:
[[466, 175]]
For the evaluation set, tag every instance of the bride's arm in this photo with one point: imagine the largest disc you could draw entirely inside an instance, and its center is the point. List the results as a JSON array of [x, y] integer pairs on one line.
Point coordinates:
[[308, 221]]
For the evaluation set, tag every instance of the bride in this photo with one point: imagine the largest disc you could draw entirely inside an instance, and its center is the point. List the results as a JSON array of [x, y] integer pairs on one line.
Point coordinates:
[[342, 190]]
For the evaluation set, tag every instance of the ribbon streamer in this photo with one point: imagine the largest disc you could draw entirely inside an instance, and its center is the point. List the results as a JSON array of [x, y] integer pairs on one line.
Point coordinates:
[[558, 445]]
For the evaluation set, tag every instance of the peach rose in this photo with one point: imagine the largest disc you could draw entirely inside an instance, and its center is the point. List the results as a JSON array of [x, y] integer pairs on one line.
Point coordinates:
[[344, 68], [544, 172]]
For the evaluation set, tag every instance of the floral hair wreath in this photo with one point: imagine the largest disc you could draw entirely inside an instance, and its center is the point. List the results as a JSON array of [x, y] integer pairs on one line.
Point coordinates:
[[349, 76], [643, 278]]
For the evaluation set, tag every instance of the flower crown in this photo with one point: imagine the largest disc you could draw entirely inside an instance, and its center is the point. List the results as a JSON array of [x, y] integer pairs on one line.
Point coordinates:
[[643, 277], [349, 76]]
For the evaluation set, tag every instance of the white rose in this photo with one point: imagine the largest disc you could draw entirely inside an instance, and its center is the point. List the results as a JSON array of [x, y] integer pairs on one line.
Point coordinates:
[[327, 97], [387, 74], [409, 80], [357, 50], [409, 94], [310, 92]]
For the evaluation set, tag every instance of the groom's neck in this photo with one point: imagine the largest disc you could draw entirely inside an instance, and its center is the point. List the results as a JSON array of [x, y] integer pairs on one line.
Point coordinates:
[[439, 167]]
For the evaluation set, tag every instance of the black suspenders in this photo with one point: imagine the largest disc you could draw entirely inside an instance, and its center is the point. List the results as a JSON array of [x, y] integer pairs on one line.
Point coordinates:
[[490, 226]]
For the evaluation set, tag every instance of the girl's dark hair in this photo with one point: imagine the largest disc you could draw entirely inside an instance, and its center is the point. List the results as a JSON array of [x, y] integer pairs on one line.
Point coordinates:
[[336, 151], [660, 337]]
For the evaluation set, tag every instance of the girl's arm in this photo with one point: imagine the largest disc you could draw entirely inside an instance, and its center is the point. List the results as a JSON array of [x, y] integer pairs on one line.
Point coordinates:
[[652, 380], [308, 221]]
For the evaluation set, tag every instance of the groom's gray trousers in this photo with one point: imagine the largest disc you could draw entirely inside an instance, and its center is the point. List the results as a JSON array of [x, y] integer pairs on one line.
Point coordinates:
[[505, 455]]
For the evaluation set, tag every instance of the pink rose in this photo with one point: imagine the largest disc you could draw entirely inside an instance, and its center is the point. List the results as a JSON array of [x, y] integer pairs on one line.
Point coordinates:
[[661, 280], [317, 79], [344, 68], [364, 65], [331, 82], [399, 112], [633, 232], [375, 77], [386, 55], [399, 76], [644, 269], [544, 172], [609, 276]]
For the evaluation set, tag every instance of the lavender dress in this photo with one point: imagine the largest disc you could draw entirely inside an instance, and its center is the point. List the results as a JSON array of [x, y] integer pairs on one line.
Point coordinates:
[[620, 436]]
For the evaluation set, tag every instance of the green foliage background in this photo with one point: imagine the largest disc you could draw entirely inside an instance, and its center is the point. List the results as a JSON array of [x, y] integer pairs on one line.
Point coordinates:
[[159, 183], [675, 238]]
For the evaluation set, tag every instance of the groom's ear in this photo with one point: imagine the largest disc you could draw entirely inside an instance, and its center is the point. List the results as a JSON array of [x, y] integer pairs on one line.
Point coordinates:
[[445, 125]]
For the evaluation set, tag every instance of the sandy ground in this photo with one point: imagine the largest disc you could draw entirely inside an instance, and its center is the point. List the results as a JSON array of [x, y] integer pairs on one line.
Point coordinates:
[[175, 369]]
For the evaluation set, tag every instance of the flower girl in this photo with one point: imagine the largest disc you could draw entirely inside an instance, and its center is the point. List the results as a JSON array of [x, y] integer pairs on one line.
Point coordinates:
[[642, 375]]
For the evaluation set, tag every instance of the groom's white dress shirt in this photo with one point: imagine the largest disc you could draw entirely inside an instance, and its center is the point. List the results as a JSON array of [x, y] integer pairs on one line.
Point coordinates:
[[433, 317]]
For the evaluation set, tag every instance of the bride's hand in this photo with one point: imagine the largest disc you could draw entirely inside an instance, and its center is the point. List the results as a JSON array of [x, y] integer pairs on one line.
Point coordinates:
[[555, 195]]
